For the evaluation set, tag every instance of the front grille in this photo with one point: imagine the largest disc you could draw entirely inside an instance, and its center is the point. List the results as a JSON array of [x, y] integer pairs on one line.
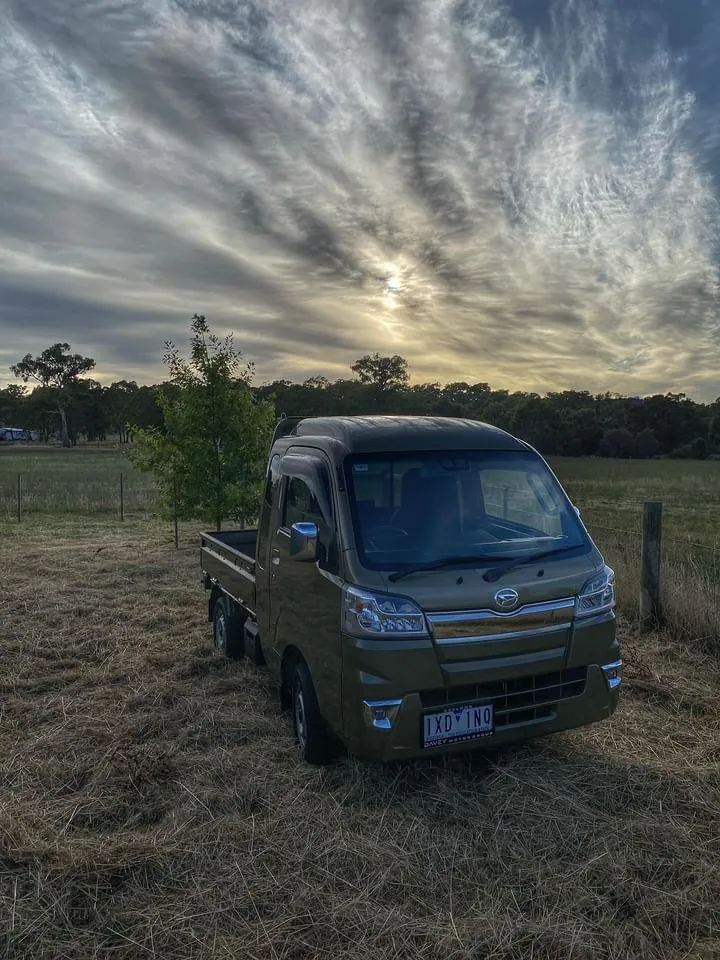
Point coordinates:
[[520, 700], [515, 717]]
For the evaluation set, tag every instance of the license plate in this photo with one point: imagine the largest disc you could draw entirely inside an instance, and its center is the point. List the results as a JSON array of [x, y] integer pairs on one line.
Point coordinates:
[[458, 723]]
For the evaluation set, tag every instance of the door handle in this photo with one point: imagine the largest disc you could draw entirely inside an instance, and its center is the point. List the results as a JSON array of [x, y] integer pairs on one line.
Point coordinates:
[[276, 556]]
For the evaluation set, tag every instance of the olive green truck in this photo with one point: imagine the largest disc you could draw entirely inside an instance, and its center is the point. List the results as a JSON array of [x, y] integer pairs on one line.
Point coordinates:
[[416, 586]]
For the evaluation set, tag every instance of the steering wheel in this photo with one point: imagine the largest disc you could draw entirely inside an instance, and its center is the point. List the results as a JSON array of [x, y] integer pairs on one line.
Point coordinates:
[[389, 529], [384, 532]]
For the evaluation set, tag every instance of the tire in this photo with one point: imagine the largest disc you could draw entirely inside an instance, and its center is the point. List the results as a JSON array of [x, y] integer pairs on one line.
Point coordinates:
[[311, 733], [228, 629]]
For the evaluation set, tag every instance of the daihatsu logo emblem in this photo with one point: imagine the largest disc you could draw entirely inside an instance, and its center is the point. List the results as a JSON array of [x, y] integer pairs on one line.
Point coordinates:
[[506, 598]]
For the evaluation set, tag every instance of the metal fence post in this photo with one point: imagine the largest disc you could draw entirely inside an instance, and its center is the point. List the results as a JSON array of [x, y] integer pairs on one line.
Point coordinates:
[[19, 498], [122, 498], [650, 574]]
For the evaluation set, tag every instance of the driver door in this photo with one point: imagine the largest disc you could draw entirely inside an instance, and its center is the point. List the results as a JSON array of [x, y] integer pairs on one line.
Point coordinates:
[[305, 596]]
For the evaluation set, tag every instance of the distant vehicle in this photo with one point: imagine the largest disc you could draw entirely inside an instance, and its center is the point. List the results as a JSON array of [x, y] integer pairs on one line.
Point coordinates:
[[9, 434], [417, 586]]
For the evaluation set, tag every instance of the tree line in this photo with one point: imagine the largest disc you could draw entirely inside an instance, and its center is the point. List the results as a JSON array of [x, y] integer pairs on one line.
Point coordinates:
[[70, 405]]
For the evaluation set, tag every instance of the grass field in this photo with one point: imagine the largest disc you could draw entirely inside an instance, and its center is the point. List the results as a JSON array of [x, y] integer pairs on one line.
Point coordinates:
[[86, 479], [83, 480], [611, 493], [152, 803]]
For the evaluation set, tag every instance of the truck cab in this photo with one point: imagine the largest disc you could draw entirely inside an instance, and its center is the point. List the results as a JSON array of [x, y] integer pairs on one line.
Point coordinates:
[[417, 586]]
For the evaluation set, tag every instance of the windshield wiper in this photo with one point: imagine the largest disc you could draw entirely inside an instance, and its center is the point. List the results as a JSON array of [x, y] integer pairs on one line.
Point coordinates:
[[510, 563], [445, 562]]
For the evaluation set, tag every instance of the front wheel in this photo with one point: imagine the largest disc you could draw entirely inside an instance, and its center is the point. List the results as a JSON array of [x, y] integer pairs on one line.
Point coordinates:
[[311, 733]]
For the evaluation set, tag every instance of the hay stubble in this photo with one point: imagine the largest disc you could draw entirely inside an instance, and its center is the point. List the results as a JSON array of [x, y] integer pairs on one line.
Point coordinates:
[[152, 803]]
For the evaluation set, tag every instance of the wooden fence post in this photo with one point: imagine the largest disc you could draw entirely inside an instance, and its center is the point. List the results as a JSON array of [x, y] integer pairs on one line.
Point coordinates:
[[122, 498], [650, 573]]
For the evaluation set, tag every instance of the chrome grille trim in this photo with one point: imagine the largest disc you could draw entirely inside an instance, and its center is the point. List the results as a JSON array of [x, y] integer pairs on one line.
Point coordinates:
[[509, 635], [465, 626]]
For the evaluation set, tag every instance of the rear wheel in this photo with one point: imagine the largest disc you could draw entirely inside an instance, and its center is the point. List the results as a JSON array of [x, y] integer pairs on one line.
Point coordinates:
[[311, 733], [228, 629]]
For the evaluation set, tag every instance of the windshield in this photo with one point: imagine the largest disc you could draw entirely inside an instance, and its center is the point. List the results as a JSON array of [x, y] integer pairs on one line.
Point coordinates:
[[417, 508]]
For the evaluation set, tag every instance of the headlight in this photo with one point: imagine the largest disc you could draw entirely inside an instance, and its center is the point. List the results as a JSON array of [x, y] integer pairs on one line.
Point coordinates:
[[378, 614], [598, 595]]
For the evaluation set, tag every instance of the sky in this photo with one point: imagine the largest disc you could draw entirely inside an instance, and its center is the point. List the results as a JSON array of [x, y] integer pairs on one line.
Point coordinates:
[[521, 193]]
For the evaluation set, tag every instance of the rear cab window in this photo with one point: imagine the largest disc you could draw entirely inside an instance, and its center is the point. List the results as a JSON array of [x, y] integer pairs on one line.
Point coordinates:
[[518, 497]]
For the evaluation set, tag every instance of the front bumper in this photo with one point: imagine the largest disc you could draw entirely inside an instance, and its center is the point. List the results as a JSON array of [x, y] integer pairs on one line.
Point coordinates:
[[389, 728]]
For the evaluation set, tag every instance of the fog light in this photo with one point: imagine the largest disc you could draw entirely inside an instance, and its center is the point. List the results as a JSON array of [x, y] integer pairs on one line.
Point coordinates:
[[381, 713], [613, 673]]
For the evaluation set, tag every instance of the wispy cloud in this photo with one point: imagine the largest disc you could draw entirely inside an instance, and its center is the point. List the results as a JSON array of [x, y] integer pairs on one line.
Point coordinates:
[[331, 177]]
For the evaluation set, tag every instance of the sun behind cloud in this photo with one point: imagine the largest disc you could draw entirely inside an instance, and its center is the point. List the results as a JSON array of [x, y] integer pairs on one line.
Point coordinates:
[[328, 179]]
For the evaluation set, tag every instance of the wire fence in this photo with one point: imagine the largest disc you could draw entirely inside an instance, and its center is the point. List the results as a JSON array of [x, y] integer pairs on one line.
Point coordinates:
[[688, 553], [713, 547], [120, 494], [126, 493]]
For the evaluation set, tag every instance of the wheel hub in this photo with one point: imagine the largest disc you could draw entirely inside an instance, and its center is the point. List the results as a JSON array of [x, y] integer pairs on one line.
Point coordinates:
[[220, 633], [300, 720]]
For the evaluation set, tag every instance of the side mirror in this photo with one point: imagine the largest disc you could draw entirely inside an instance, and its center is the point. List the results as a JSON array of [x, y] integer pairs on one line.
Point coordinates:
[[576, 509], [304, 541]]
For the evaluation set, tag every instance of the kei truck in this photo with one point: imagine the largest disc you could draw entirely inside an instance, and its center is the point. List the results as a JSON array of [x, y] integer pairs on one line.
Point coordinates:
[[416, 586]]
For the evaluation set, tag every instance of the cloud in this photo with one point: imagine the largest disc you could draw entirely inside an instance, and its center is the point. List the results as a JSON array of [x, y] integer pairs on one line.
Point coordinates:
[[429, 177]]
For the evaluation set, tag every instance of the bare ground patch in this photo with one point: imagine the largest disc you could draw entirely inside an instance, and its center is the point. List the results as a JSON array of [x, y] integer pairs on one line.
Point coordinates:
[[152, 803]]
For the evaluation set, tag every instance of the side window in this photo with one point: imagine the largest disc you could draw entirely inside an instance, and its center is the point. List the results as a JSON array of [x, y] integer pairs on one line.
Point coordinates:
[[301, 504], [273, 477]]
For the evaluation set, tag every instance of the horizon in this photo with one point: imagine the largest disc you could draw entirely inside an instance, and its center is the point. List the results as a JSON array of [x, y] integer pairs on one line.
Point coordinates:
[[413, 382], [521, 193]]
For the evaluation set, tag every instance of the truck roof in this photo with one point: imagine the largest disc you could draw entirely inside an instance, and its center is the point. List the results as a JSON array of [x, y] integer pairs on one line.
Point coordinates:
[[381, 434]]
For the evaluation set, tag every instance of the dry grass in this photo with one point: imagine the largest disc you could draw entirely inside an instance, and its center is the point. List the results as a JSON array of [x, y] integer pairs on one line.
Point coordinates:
[[689, 587], [611, 495], [152, 803]]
